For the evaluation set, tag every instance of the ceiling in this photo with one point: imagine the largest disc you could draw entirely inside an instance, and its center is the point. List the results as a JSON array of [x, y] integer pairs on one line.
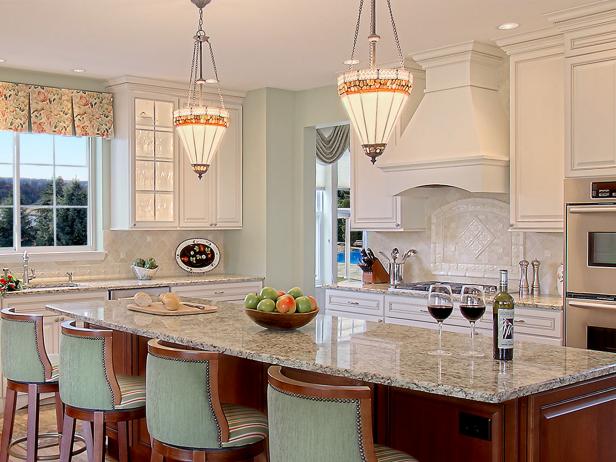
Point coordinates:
[[290, 44]]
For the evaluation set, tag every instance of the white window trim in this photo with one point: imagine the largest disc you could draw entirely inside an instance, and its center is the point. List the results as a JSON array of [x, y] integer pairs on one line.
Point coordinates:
[[57, 253]]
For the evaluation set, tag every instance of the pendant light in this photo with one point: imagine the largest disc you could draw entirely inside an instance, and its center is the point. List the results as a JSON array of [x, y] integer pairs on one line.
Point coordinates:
[[374, 97], [201, 127]]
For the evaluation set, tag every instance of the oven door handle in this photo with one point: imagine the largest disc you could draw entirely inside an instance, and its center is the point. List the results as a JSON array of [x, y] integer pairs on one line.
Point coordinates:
[[592, 208], [603, 306]]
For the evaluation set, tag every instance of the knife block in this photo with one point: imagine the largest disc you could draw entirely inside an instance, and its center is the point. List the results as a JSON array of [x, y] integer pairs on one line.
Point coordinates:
[[378, 275]]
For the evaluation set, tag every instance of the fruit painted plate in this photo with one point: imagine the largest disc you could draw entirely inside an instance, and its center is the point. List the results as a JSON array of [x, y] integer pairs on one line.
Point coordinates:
[[197, 255], [279, 321]]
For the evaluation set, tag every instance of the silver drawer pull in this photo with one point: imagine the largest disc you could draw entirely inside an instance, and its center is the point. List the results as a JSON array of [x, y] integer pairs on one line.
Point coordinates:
[[604, 306], [219, 292], [350, 302], [424, 311], [519, 321], [592, 209]]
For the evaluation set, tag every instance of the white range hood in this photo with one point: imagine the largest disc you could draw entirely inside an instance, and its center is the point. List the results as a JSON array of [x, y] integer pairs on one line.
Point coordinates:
[[459, 135]]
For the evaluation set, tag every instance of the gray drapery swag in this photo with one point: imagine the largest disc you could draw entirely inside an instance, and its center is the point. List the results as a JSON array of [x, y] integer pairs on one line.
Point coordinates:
[[331, 147]]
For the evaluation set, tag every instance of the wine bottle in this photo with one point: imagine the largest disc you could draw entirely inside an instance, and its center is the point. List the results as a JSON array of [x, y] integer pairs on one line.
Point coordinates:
[[502, 313]]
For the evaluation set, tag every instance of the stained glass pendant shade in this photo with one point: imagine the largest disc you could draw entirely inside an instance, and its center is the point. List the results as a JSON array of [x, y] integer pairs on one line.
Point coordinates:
[[201, 127], [374, 97]]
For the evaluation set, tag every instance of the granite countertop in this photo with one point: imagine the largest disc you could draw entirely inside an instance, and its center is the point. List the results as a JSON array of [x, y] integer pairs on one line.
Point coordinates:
[[46, 285], [550, 302], [373, 352]]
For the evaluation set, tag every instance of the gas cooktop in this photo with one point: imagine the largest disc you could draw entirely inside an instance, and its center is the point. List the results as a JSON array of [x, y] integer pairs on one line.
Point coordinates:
[[456, 287]]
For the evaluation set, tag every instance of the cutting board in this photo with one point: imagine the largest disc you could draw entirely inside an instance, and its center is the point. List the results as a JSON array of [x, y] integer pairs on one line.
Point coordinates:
[[185, 309]]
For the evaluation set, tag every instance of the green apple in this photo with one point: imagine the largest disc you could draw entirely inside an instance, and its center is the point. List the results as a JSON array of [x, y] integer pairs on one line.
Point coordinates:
[[304, 305], [268, 305], [269, 292], [296, 292], [251, 301]]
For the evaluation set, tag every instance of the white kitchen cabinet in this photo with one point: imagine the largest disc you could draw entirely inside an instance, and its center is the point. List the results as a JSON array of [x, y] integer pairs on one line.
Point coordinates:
[[373, 207], [222, 292], [591, 114], [152, 185], [364, 305], [215, 201], [537, 132]]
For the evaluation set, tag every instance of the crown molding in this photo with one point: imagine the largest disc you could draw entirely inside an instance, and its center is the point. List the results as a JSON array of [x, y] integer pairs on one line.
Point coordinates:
[[543, 39], [591, 15], [156, 84]]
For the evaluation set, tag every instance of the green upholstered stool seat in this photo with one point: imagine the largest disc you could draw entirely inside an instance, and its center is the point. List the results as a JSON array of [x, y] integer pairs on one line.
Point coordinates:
[[185, 417], [246, 425], [385, 454], [133, 391]]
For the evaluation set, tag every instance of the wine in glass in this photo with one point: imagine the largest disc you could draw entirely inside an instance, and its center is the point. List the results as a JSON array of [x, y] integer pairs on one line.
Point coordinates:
[[472, 307], [440, 306]]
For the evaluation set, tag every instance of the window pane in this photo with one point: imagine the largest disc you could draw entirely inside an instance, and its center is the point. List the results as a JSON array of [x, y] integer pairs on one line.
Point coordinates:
[[36, 227], [71, 186], [36, 185], [72, 226], [35, 149], [144, 112], [71, 150], [6, 184], [164, 207], [144, 206], [6, 227], [164, 176], [144, 175], [164, 145], [144, 143], [164, 114], [6, 147]]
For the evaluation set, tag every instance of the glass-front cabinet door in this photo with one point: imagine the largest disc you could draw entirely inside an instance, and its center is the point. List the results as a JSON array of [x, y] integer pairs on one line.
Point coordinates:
[[155, 162]]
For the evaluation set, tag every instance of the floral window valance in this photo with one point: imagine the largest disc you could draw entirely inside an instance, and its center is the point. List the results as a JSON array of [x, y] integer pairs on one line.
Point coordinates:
[[55, 111]]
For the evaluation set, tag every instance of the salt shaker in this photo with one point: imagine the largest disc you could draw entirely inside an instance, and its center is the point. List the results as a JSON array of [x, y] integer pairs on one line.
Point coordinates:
[[524, 288], [535, 287]]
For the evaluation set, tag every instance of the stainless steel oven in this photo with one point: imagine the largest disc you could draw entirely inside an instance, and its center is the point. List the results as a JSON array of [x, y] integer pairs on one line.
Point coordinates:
[[590, 255]]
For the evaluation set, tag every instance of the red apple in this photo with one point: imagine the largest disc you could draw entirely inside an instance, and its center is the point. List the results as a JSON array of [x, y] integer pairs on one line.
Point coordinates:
[[286, 304], [280, 293], [313, 302]]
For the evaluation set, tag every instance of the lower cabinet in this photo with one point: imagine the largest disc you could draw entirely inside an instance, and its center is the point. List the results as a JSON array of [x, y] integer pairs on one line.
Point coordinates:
[[531, 324], [233, 292]]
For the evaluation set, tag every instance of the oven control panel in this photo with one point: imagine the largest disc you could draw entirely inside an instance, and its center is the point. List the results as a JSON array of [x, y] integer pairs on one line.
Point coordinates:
[[603, 189]]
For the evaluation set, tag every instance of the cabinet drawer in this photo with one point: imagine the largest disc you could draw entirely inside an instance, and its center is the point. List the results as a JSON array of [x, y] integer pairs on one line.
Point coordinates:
[[35, 304], [356, 316], [354, 302], [227, 292], [544, 323], [415, 309]]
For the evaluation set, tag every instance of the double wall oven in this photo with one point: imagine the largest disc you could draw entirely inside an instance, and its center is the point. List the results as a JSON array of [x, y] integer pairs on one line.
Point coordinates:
[[590, 252]]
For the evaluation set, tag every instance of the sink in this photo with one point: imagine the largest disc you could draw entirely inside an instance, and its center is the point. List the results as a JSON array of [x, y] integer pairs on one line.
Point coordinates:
[[51, 285]]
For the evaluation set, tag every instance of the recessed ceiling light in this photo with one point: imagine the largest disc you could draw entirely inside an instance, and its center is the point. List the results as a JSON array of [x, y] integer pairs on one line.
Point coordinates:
[[2, 60], [509, 26], [79, 71]]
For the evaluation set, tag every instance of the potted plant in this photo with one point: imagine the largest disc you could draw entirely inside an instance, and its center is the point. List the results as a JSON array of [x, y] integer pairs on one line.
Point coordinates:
[[144, 269], [9, 283]]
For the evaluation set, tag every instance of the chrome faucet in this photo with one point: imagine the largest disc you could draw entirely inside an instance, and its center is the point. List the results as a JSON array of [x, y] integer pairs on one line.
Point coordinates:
[[28, 273]]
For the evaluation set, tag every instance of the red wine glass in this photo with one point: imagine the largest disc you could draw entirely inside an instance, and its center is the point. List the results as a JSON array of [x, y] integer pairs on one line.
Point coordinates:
[[440, 306], [472, 307]]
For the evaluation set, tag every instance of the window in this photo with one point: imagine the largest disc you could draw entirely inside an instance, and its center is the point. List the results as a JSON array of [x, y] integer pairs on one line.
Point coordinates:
[[45, 199]]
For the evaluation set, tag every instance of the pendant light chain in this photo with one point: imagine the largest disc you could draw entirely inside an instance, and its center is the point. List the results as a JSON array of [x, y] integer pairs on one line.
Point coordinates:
[[222, 102], [357, 27], [396, 38]]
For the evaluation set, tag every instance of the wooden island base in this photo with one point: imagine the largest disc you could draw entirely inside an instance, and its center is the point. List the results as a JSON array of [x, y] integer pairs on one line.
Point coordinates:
[[569, 424]]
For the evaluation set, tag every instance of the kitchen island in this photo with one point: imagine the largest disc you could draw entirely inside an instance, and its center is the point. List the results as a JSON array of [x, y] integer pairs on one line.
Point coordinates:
[[548, 404]]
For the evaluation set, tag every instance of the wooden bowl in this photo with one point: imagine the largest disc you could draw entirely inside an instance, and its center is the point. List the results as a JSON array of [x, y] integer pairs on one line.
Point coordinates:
[[279, 321]]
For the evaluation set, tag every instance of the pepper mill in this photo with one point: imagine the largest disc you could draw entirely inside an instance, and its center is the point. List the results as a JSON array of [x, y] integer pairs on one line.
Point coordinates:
[[535, 288], [524, 288]]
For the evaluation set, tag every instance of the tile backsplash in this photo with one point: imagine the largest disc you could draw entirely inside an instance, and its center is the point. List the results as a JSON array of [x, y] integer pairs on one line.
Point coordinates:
[[122, 248], [467, 239]]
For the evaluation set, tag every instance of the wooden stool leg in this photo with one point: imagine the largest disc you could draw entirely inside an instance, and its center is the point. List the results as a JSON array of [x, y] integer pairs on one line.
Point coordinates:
[[155, 456], [59, 412], [99, 437], [66, 444], [123, 441], [88, 435], [264, 456], [10, 401], [199, 456], [33, 420]]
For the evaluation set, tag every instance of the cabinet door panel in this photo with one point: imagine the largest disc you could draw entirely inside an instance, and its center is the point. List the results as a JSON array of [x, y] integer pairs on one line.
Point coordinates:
[[197, 207], [229, 175], [592, 115]]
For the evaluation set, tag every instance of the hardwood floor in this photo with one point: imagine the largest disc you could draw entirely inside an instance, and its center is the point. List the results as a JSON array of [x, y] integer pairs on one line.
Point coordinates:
[[47, 423]]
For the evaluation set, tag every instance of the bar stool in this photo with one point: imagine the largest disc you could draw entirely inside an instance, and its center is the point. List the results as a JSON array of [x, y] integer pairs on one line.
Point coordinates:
[[311, 421], [28, 369], [91, 391], [185, 417]]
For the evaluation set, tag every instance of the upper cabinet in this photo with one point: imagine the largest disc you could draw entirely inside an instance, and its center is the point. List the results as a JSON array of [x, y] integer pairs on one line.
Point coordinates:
[[152, 183], [590, 88], [537, 126], [373, 206]]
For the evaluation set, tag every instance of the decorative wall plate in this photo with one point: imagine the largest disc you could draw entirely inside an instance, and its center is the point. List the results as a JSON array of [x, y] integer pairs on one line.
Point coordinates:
[[197, 255]]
